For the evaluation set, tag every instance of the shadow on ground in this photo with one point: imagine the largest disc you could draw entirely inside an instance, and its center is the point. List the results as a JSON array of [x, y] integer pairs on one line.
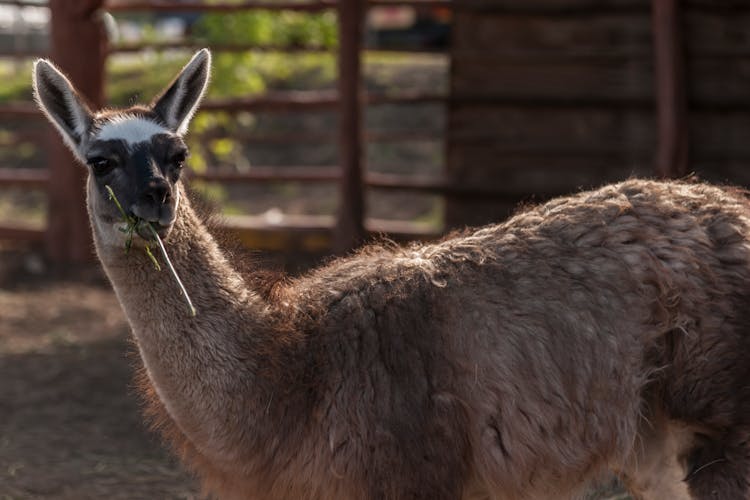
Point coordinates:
[[70, 421], [71, 428]]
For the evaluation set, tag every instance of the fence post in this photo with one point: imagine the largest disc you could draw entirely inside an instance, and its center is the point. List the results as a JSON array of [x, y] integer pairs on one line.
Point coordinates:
[[671, 94], [78, 47], [349, 231]]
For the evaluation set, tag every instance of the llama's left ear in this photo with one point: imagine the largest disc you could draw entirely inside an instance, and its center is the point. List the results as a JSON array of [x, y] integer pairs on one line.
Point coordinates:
[[177, 105]]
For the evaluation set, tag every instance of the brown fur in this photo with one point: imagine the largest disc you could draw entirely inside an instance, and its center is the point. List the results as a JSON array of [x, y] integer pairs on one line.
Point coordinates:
[[517, 361]]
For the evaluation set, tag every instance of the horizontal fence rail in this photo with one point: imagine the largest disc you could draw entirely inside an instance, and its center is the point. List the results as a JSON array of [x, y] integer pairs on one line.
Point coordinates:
[[121, 6], [20, 109], [24, 177], [19, 233]]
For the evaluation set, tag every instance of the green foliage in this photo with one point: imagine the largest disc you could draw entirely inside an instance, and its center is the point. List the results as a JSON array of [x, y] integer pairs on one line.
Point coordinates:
[[236, 75], [16, 81], [138, 79], [280, 29]]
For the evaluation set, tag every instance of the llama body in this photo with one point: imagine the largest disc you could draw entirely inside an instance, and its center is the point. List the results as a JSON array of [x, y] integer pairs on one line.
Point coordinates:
[[607, 330]]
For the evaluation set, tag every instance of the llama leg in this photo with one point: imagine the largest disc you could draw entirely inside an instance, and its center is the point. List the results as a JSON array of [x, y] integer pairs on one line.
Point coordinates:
[[720, 469]]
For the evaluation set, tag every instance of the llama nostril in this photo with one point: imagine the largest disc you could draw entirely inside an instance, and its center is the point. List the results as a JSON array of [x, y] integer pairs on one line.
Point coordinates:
[[157, 192]]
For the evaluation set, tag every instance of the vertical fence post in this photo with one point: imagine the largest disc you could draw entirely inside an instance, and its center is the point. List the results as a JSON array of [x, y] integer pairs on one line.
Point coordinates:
[[78, 48], [671, 94], [349, 231]]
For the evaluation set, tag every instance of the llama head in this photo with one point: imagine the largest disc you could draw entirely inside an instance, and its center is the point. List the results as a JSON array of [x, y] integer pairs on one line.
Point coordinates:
[[139, 151]]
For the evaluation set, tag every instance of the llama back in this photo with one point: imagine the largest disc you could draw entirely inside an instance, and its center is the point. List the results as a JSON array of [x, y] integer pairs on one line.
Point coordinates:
[[543, 336]]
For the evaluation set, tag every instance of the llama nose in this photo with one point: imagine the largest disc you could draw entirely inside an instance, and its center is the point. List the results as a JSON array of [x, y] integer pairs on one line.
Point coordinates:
[[157, 192]]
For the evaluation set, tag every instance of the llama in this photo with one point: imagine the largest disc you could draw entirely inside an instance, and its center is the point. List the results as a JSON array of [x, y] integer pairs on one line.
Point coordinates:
[[609, 330]]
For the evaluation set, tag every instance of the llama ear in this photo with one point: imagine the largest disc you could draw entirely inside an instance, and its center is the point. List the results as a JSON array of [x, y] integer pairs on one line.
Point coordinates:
[[62, 105], [180, 100]]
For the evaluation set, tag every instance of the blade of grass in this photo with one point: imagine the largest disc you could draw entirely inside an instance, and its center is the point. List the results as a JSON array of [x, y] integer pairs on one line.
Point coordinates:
[[151, 256], [112, 197], [172, 269], [132, 224]]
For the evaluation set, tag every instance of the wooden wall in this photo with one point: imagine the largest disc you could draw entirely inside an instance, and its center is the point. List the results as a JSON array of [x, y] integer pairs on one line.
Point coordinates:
[[551, 96]]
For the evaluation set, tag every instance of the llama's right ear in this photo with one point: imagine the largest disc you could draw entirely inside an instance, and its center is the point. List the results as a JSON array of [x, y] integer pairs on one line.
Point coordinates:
[[61, 104], [177, 105]]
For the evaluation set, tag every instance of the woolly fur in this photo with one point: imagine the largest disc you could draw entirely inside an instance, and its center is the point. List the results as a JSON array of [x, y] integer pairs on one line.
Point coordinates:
[[607, 330]]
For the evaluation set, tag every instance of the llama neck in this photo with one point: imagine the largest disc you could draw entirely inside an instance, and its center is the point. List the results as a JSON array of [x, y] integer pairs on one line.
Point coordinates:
[[200, 367]]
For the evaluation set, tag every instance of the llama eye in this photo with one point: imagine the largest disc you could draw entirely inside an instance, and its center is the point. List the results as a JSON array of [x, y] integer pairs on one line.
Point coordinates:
[[178, 160], [100, 166]]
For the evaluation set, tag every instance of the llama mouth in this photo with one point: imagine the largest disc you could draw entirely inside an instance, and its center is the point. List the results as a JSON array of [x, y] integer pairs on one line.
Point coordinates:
[[144, 232]]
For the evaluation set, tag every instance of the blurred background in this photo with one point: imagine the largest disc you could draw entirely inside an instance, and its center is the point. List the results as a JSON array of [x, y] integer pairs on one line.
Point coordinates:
[[326, 124]]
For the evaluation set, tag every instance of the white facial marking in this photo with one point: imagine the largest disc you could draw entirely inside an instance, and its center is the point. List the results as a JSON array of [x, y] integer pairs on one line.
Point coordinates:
[[131, 129]]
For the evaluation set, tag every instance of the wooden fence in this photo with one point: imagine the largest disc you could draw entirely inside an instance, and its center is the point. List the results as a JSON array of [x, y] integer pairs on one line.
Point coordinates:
[[79, 47]]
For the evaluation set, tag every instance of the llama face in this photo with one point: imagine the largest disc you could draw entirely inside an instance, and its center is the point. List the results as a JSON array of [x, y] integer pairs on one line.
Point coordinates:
[[142, 162], [138, 152]]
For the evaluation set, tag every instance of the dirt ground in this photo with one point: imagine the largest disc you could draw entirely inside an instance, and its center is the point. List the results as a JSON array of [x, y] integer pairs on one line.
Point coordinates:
[[70, 423]]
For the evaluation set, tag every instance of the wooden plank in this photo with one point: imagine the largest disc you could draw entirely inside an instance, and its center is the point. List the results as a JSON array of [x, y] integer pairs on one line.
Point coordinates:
[[728, 170], [379, 136], [547, 97], [10, 52], [252, 137], [463, 213], [350, 230], [552, 7], [598, 50], [21, 233], [542, 174], [531, 58], [24, 177], [312, 6], [314, 100], [430, 184], [228, 7], [423, 4], [671, 96], [215, 47], [562, 81], [272, 174], [275, 101], [713, 6], [290, 233], [404, 97], [20, 109], [17, 136], [561, 101], [516, 129], [488, 33], [193, 46], [545, 56], [418, 183], [720, 135], [716, 83], [528, 180], [717, 34]]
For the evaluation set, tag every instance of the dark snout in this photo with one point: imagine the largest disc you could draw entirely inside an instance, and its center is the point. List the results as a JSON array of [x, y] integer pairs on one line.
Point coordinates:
[[156, 205]]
